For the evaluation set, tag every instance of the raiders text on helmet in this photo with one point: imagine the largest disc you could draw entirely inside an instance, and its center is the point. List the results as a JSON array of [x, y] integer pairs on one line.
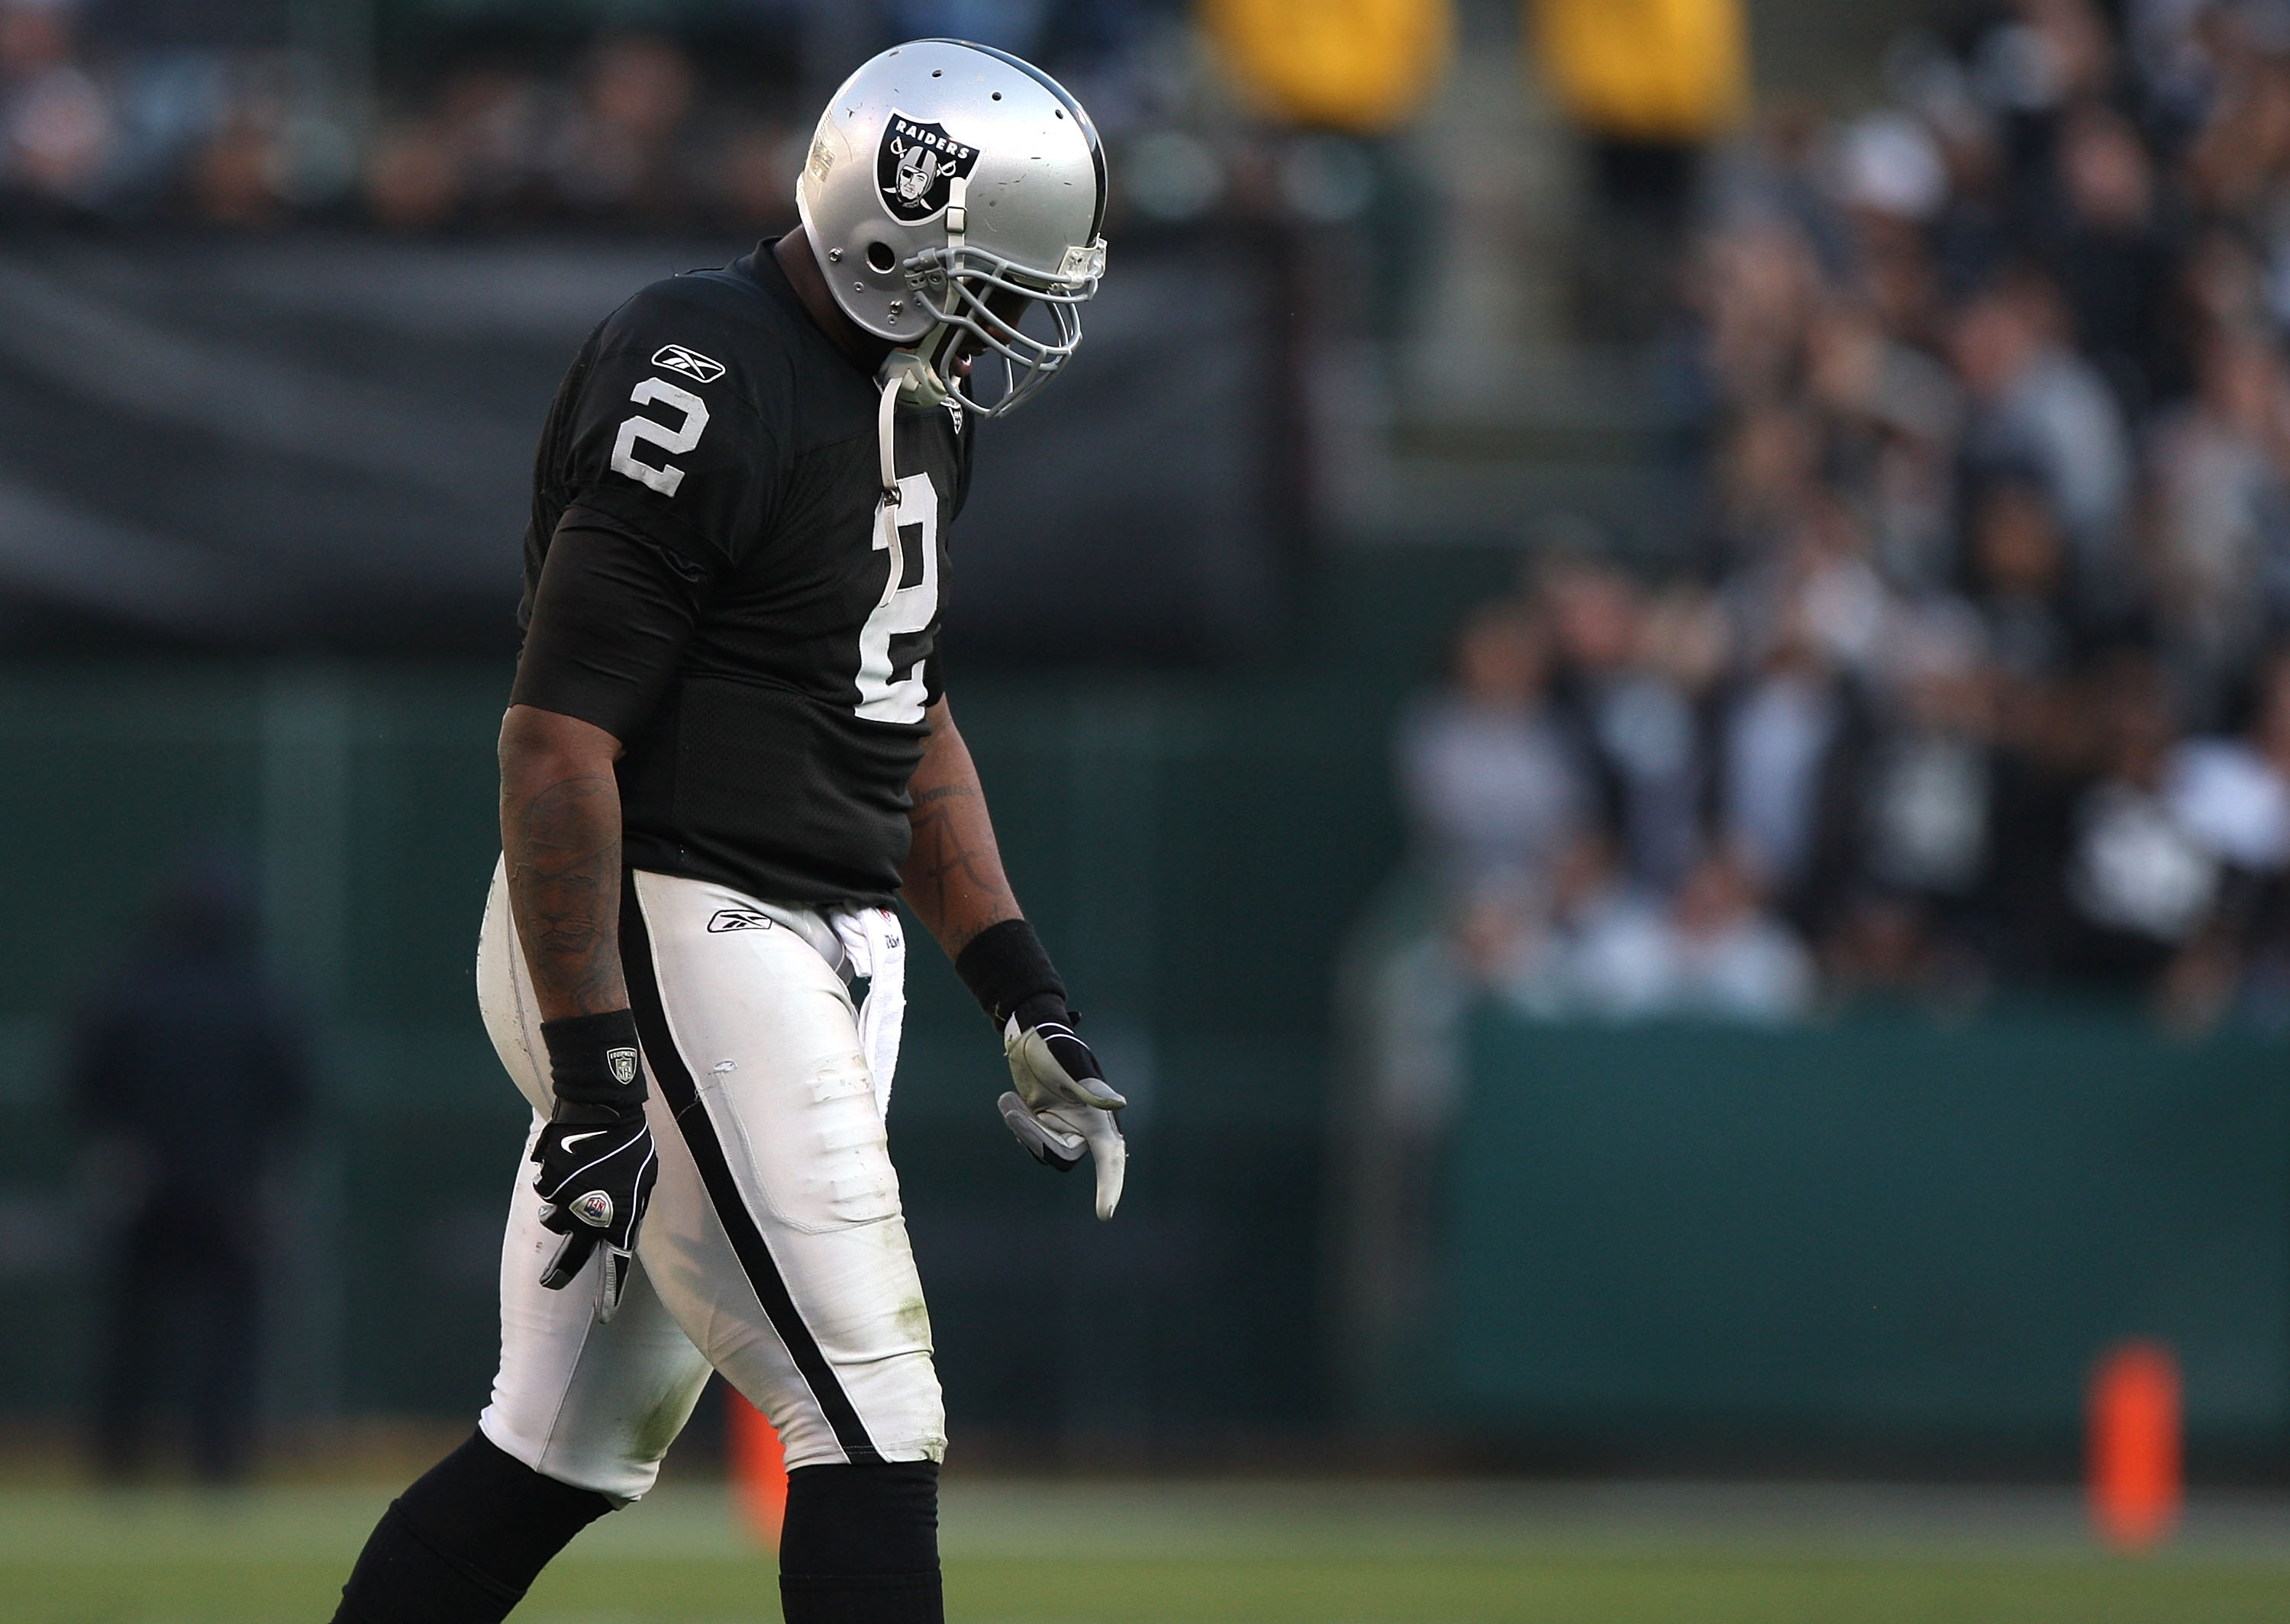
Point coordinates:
[[949, 186]]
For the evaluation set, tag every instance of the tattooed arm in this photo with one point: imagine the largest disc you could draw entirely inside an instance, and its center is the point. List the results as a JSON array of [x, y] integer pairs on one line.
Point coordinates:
[[953, 877], [560, 816]]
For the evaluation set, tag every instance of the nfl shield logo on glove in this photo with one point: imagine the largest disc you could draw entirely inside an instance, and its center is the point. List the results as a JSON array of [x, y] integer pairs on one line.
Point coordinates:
[[594, 1209], [623, 1062]]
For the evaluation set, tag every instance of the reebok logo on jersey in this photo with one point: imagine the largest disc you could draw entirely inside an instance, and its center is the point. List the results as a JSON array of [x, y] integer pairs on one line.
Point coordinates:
[[738, 919], [690, 362]]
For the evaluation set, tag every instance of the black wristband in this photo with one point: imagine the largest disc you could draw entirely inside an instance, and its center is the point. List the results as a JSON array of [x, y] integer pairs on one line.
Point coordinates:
[[1004, 965], [594, 1059]]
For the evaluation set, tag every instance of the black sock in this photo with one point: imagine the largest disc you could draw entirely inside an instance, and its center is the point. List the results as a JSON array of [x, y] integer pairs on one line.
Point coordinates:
[[860, 1544], [465, 1542]]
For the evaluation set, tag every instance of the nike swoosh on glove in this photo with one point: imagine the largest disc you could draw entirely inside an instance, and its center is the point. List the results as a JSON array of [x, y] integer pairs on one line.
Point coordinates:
[[1061, 1108], [594, 1181]]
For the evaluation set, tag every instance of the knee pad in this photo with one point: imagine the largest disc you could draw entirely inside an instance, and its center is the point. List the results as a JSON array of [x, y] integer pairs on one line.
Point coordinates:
[[466, 1541], [860, 1544]]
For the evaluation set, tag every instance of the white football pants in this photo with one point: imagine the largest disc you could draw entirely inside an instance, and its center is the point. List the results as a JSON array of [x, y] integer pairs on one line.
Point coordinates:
[[774, 1249]]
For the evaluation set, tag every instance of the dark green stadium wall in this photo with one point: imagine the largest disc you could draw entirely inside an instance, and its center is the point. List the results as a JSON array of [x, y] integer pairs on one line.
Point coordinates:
[[1889, 1240], [1193, 848]]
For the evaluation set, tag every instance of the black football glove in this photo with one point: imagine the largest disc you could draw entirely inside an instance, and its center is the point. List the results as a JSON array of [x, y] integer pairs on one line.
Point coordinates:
[[1061, 1108], [596, 1180], [597, 1160]]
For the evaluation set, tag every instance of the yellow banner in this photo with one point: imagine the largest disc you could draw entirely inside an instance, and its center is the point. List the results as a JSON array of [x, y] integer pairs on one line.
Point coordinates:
[[1645, 69], [1361, 66]]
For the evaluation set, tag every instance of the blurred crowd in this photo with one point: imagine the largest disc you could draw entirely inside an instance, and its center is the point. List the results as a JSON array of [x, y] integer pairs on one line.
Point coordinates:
[[155, 109], [101, 119], [1979, 675], [473, 115]]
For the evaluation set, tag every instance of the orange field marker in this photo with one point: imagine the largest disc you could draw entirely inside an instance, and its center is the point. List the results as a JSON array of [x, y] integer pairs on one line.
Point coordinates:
[[758, 1468], [2134, 1464]]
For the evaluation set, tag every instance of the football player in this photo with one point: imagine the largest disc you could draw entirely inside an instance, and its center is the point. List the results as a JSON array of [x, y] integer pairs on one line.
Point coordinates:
[[728, 749]]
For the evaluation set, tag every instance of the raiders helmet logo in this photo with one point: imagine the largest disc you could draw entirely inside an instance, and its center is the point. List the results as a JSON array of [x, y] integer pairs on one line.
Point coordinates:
[[916, 166], [623, 1062], [594, 1209]]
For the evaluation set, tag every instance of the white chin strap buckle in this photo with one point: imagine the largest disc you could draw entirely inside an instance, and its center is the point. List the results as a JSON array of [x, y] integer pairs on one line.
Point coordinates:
[[957, 214], [918, 381]]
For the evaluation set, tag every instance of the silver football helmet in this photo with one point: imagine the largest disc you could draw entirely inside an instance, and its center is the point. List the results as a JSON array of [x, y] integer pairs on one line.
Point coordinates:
[[954, 195]]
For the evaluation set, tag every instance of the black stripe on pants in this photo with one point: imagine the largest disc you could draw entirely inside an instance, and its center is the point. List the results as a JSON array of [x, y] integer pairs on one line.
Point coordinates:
[[682, 1097]]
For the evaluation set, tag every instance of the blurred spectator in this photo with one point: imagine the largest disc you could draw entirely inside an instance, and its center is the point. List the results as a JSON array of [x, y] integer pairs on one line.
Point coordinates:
[[1891, 179], [1928, 799], [1735, 961], [57, 121], [749, 188], [2232, 797], [2140, 885], [2114, 258], [414, 176], [2237, 158], [2020, 578], [494, 120], [480, 152], [1630, 687], [1894, 415], [2221, 544], [1792, 738], [1493, 787], [187, 1074], [1623, 952], [1648, 86], [2037, 405], [617, 154], [1758, 286], [234, 175]]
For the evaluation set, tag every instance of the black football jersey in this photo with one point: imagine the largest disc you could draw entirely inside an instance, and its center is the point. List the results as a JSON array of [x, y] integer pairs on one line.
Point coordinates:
[[725, 600]]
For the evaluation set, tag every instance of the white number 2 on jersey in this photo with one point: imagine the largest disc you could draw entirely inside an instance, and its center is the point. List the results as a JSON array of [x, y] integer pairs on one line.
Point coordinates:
[[903, 611], [665, 478]]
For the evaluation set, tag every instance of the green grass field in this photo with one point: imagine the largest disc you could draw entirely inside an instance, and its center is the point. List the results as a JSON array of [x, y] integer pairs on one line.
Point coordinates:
[[1045, 1553]]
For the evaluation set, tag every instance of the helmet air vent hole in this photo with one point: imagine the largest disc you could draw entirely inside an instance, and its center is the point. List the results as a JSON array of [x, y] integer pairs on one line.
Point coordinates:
[[938, 73], [880, 258], [998, 95]]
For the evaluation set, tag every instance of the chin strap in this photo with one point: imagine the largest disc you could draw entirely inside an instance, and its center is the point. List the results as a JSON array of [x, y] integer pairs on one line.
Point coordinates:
[[918, 382], [957, 218], [894, 379], [908, 370]]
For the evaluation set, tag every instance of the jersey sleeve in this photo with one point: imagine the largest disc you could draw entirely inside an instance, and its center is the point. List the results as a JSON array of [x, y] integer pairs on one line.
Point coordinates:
[[666, 437], [610, 617]]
